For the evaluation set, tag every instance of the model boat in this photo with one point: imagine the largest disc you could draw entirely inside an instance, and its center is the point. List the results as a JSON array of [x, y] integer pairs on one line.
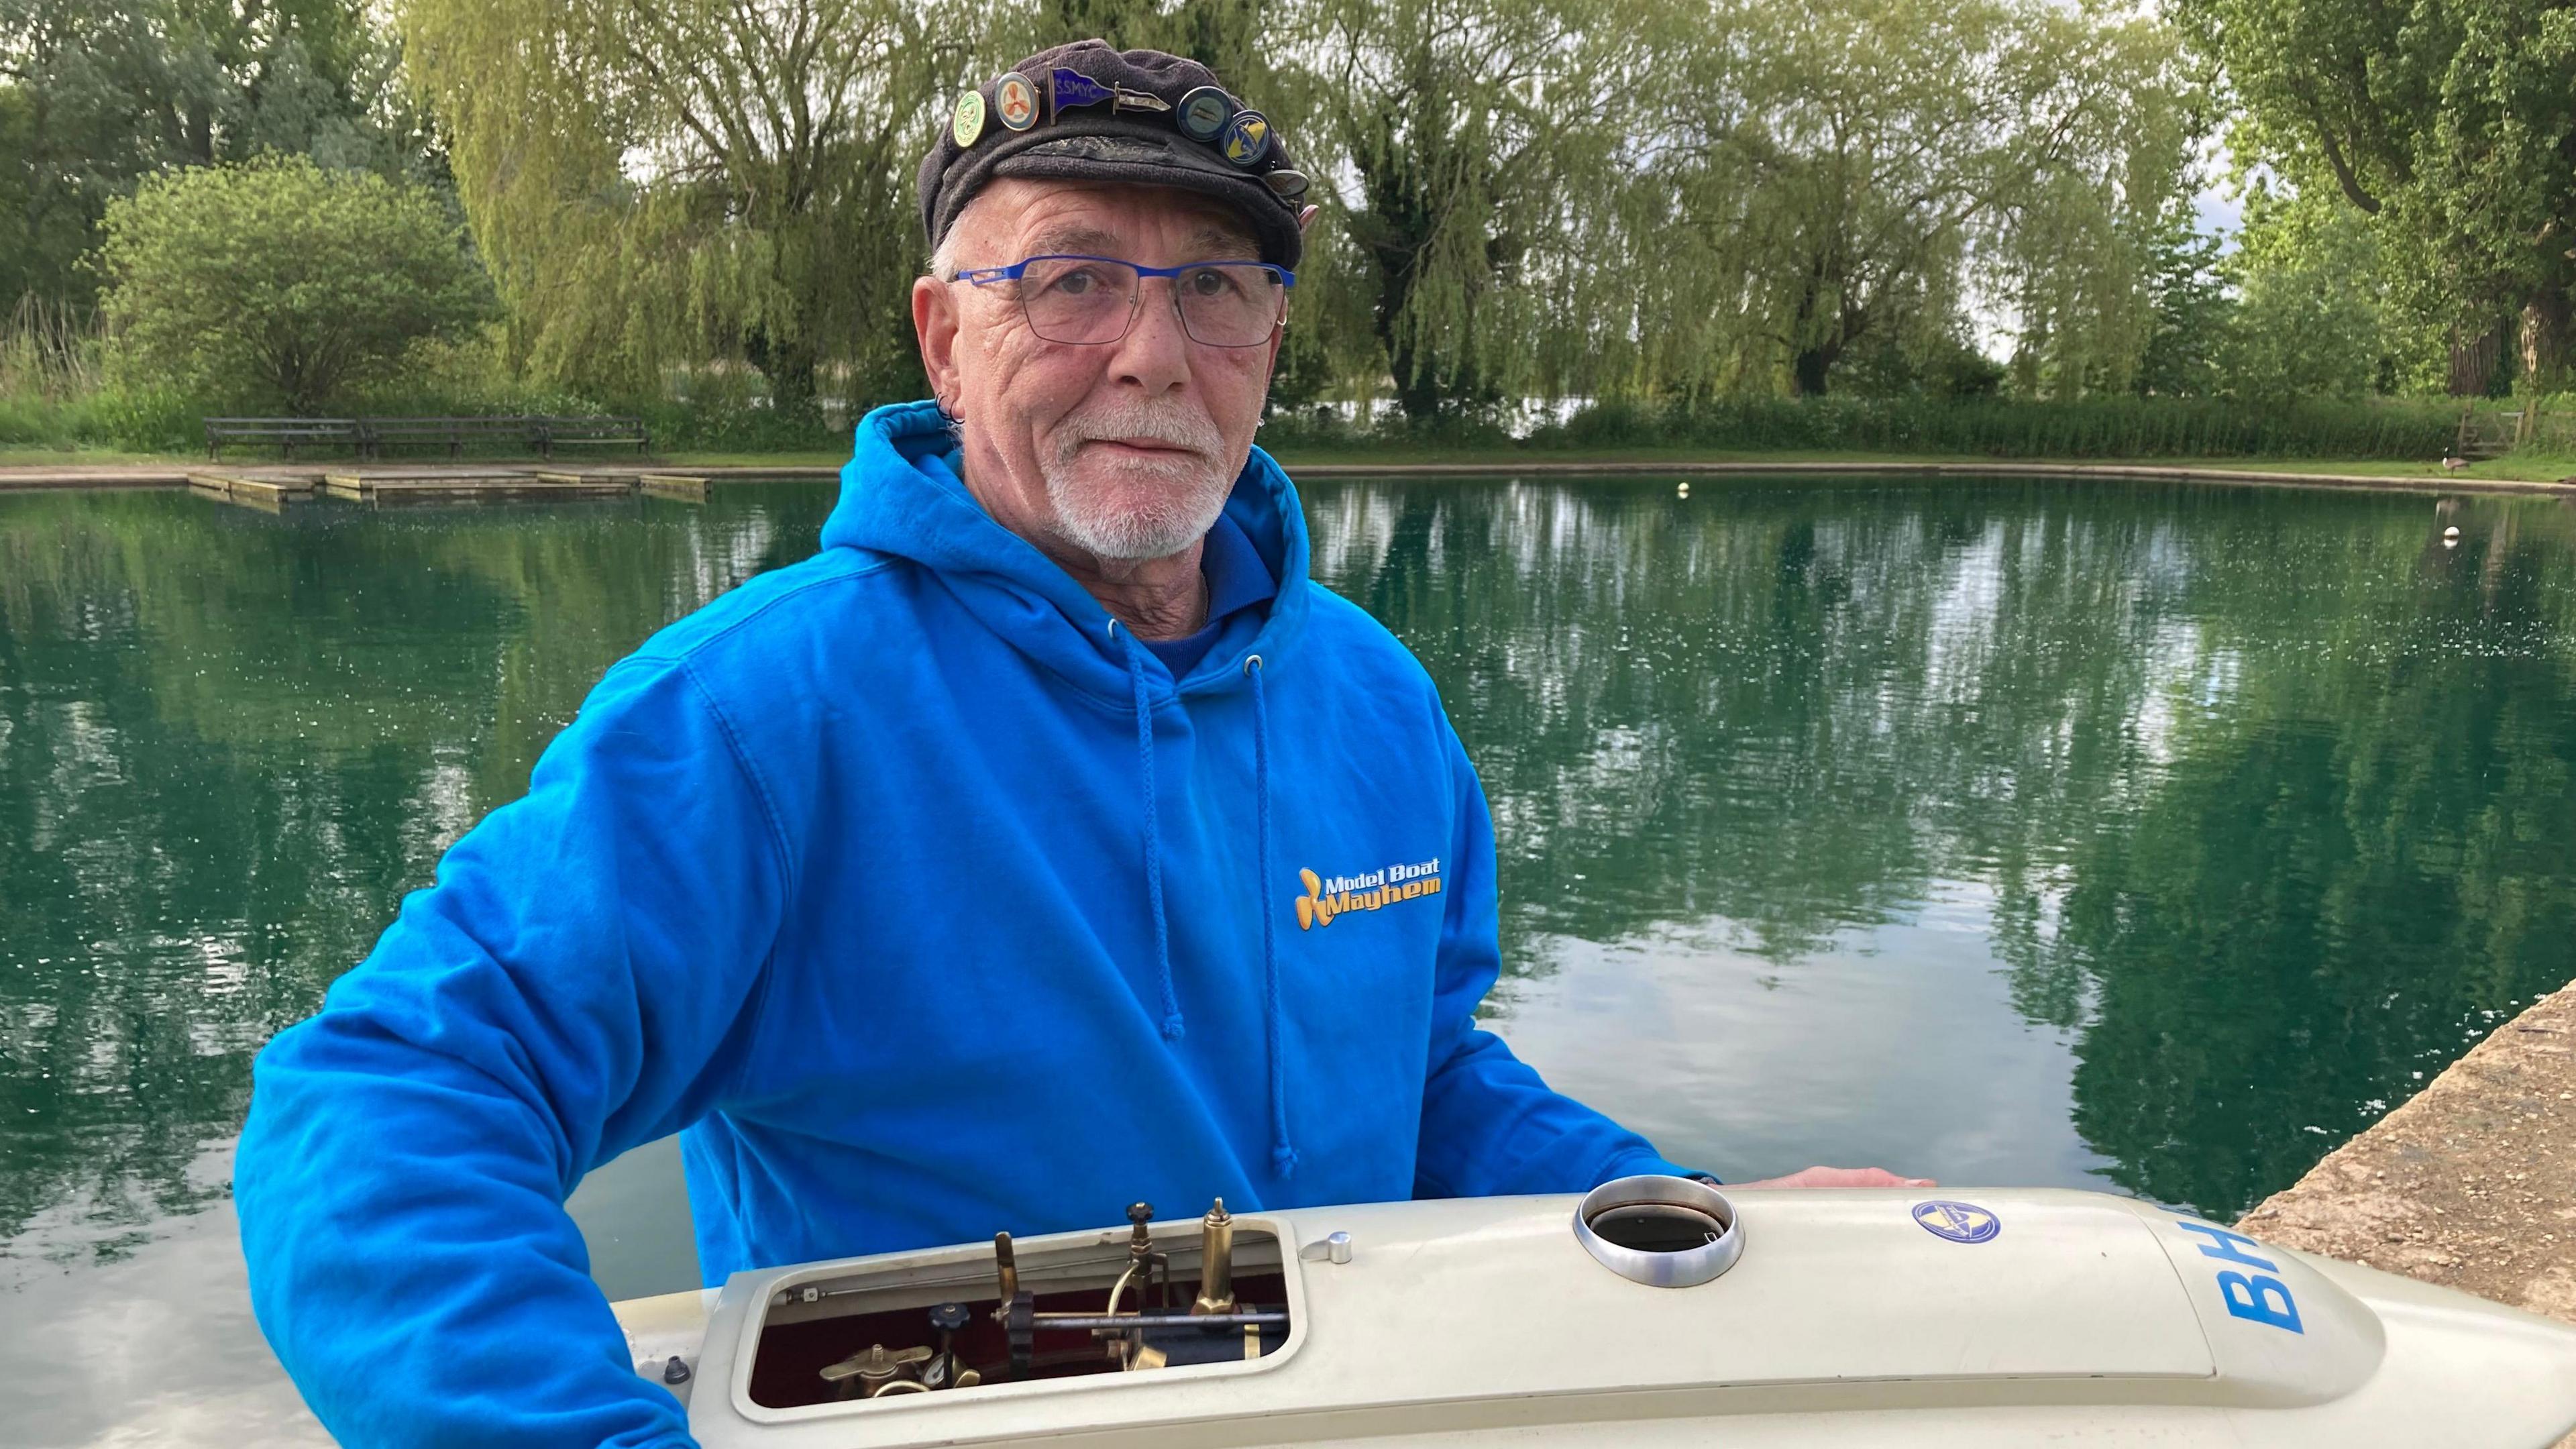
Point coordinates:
[[1653, 1311]]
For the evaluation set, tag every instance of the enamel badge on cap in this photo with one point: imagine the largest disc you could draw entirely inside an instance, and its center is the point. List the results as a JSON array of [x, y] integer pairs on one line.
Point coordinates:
[[1247, 139], [1203, 113], [1015, 100], [1073, 88], [1284, 183], [968, 122]]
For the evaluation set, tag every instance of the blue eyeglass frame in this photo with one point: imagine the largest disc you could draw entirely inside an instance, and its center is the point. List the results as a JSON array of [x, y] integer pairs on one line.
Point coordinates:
[[987, 276]]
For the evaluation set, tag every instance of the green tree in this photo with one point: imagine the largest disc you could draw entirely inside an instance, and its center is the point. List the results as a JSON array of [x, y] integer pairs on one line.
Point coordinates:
[[2311, 321], [96, 94], [710, 178], [2195, 312], [1487, 143], [2452, 125], [1845, 171], [280, 282]]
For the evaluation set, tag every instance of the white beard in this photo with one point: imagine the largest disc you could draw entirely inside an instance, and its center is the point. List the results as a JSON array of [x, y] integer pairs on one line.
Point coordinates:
[[1148, 509]]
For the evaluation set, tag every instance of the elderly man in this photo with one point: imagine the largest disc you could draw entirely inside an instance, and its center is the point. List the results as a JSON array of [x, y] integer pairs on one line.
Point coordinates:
[[1046, 842]]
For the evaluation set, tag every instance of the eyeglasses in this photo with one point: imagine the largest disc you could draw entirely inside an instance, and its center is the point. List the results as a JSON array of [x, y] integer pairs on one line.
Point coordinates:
[[1089, 300]]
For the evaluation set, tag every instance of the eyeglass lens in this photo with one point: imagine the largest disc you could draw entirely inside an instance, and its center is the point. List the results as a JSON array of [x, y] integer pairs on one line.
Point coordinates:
[[1077, 300]]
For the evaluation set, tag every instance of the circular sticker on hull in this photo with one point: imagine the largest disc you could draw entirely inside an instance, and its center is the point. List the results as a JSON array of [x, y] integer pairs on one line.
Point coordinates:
[[968, 123], [1203, 113], [1960, 1222], [1015, 100]]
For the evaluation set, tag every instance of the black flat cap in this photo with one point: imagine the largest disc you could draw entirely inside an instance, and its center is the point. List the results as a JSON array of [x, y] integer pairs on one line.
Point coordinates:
[[1085, 112]]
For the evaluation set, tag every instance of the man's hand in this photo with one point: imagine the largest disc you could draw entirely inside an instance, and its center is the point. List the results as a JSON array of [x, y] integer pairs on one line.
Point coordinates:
[[1840, 1177]]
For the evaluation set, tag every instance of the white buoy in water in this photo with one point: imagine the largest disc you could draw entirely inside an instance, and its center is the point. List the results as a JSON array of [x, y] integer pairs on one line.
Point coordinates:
[[2451, 536], [1681, 490]]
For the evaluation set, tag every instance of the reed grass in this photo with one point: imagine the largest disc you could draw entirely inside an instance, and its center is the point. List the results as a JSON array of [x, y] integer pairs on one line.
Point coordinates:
[[57, 392]]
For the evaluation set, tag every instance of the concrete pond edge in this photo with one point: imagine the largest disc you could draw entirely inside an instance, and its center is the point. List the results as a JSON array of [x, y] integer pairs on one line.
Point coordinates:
[[111, 476], [2470, 1184]]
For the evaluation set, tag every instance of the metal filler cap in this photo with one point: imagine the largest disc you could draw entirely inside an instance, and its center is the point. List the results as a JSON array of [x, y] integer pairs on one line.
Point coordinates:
[[1664, 1232]]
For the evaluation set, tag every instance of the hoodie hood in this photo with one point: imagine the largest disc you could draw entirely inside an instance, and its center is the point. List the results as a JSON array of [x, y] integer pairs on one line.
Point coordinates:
[[901, 496]]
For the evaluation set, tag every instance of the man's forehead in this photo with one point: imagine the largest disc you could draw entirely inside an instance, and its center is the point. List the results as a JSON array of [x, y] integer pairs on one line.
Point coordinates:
[[1060, 216]]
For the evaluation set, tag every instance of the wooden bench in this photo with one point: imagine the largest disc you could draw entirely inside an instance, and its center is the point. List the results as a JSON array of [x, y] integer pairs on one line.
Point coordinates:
[[285, 432], [375, 433], [371, 436], [552, 433]]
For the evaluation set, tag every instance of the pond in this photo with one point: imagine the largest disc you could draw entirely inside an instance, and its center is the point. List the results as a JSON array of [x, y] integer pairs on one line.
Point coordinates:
[[2142, 837]]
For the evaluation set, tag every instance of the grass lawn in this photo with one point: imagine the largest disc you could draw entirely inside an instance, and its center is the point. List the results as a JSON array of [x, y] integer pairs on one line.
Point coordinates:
[[678, 462], [92, 458]]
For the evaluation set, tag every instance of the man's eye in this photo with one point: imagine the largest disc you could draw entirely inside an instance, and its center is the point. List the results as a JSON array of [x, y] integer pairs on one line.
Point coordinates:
[[1213, 282], [1079, 282]]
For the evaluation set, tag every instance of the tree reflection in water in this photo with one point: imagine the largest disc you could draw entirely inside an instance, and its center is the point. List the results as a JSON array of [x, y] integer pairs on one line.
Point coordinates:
[[2271, 792]]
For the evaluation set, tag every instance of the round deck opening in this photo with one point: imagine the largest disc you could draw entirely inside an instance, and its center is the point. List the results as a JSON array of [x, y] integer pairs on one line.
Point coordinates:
[[1658, 1227], [1665, 1232]]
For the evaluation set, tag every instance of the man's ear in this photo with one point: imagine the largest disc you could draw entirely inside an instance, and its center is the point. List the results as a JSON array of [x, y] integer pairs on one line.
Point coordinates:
[[934, 326]]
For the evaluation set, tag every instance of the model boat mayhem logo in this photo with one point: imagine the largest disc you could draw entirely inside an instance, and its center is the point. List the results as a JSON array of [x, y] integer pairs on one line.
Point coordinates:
[[1325, 899]]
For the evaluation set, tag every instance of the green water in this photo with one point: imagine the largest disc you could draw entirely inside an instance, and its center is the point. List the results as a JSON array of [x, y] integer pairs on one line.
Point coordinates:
[[2156, 838]]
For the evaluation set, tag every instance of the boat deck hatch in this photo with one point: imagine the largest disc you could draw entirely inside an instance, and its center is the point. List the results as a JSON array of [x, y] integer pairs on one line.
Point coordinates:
[[1155, 1301]]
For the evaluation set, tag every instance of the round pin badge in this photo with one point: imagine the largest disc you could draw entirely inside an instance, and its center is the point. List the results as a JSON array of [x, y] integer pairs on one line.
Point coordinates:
[[1246, 139], [1203, 113], [968, 123], [1285, 184], [1015, 100]]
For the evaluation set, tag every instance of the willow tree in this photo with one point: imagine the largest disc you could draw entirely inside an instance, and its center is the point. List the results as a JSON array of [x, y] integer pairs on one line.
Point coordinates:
[[1846, 170], [680, 179], [1479, 136]]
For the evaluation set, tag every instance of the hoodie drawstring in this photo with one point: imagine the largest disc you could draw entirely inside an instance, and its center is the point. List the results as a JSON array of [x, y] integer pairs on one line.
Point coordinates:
[[1283, 1153], [1173, 1025]]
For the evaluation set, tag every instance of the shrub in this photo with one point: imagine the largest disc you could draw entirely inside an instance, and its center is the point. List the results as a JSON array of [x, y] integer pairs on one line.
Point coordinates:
[[278, 283]]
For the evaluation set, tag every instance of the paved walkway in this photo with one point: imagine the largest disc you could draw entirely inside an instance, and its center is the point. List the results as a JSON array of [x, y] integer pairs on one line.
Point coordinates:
[[2471, 1185], [175, 475], [2417, 483]]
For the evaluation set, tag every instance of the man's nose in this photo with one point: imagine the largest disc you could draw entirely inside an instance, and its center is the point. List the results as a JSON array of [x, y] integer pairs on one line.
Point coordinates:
[[1155, 353]]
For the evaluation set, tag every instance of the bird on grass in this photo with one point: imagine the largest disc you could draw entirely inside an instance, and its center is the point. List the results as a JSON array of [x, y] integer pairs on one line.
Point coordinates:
[[2453, 462]]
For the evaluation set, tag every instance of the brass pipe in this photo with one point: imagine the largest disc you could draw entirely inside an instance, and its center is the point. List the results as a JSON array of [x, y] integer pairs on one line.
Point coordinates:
[[1216, 1262]]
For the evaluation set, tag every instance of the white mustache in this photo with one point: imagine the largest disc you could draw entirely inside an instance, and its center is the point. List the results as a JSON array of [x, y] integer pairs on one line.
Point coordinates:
[[1170, 424]]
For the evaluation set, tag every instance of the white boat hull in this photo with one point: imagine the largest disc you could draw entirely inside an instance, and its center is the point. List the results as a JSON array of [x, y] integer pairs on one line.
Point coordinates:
[[1849, 1318]]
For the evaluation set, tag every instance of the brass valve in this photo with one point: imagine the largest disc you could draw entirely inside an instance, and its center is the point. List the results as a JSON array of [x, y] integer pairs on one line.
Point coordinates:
[[873, 1370]]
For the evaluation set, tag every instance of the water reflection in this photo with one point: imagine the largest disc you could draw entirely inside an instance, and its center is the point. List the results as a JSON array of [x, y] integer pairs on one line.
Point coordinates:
[[2023, 831], [228, 743], [2266, 792]]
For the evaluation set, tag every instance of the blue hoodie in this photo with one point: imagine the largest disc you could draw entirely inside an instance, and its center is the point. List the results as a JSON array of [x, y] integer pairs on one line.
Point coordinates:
[[924, 903]]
